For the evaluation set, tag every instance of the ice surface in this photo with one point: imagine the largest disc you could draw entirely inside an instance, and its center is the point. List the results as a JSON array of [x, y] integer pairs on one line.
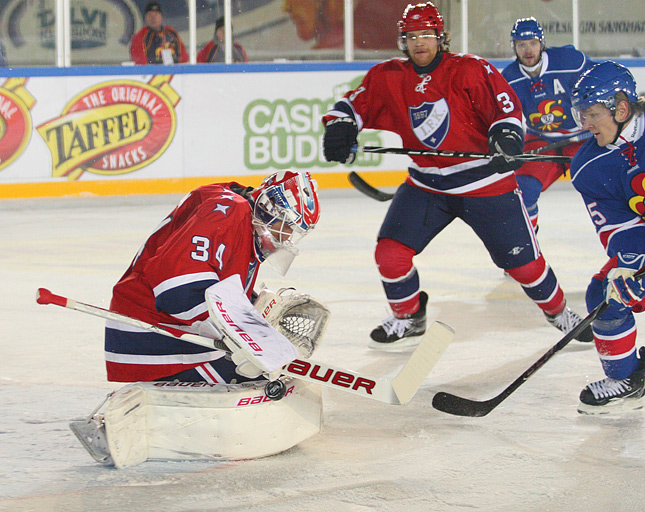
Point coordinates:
[[533, 453]]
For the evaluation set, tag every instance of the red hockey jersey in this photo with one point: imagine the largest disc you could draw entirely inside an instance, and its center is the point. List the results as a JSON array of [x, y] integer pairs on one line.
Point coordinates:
[[451, 108], [208, 237]]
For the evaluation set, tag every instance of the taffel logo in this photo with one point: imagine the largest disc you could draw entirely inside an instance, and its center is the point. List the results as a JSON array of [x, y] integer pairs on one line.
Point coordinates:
[[15, 119], [284, 134], [112, 128], [430, 122]]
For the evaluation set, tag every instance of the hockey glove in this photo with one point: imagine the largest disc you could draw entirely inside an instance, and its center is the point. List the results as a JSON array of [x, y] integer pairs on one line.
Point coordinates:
[[340, 137], [505, 143], [623, 288]]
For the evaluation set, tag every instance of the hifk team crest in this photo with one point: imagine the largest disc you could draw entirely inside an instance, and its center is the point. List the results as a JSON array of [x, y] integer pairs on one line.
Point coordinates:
[[430, 122], [112, 128]]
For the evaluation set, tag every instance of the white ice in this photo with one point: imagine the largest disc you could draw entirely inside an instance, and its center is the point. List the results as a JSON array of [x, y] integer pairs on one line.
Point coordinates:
[[533, 453]]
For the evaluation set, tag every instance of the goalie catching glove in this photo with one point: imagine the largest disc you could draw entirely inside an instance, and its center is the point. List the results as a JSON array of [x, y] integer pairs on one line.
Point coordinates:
[[297, 316]]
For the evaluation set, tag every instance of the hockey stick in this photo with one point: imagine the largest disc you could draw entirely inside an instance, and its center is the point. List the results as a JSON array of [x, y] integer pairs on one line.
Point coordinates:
[[459, 406], [398, 390], [560, 144], [524, 157], [362, 186]]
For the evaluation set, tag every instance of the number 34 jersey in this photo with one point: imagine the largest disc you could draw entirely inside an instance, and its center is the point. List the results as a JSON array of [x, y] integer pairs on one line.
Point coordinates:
[[207, 238]]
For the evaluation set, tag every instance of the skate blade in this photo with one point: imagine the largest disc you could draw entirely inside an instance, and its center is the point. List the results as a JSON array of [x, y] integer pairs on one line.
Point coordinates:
[[395, 346], [85, 433], [613, 407]]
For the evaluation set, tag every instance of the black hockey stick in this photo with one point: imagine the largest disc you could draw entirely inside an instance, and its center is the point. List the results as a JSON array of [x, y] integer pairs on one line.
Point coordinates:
[[362, 186], [453, 404], [560, 144], [524, 157]]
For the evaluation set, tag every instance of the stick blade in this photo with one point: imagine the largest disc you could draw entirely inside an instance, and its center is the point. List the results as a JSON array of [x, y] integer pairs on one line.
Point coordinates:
[[458, 406], [362, 186], [423, 359]]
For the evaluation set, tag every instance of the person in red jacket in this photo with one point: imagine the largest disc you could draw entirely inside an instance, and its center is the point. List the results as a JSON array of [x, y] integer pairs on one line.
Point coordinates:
[[214, 49], [156, 40]]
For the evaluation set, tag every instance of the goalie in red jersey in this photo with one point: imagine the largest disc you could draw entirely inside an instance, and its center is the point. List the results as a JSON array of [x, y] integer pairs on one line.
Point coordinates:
[[217, 231], [440, 100]]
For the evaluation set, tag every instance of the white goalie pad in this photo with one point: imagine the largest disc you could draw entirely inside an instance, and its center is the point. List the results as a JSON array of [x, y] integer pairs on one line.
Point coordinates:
[[246, 333], [188, 421]]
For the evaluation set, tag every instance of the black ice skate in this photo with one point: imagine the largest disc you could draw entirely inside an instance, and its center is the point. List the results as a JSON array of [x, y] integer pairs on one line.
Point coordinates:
[[566, 320], [609, 395], [396, 333]]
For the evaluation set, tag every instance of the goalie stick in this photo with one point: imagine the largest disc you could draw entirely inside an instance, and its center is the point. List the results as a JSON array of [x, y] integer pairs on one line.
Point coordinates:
[[453, 404], [397, 390]]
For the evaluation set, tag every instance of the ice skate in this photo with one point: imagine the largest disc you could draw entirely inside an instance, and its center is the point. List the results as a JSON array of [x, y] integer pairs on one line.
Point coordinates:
[[566, 320], [396, 333], [91, 433], [609, 395]]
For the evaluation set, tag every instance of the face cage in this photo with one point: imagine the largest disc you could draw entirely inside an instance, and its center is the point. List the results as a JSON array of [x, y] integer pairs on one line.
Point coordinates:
[[276, 232]]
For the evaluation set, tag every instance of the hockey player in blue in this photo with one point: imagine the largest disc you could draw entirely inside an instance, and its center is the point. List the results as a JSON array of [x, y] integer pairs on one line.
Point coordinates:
[[609, 173], [543, 78]]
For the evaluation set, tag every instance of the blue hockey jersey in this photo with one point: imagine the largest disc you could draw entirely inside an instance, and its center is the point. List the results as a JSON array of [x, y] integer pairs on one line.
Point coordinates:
[[611, 180], [545, 99]]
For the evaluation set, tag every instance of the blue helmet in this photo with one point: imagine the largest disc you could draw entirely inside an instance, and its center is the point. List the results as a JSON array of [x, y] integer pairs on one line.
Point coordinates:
[[527, 28], [600, 84]]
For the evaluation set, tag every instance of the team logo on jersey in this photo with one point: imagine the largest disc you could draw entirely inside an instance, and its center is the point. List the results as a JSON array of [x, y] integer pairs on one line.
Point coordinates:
[[112, 128], [430, 122], [550, 114], [637, 202], [15, 119]]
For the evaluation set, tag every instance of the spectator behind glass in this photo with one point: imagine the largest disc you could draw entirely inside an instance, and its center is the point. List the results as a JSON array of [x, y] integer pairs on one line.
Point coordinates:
[[157, 43], [215, 48], [3, 56]]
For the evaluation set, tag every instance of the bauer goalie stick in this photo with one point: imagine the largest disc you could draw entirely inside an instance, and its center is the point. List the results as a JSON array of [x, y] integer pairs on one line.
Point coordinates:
[[397, 390], [453, 404]]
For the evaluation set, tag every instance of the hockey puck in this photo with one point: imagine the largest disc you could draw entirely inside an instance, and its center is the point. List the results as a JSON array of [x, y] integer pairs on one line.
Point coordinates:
[[275, 390]]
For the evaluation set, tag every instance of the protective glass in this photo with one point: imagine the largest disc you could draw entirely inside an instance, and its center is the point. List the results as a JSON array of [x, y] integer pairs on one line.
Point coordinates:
[[404, 38], [590, 115]]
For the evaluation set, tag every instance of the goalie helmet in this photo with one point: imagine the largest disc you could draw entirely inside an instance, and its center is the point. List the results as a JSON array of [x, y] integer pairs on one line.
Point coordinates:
[[600, 85], [285, 209], [419, 17], [526, 29]]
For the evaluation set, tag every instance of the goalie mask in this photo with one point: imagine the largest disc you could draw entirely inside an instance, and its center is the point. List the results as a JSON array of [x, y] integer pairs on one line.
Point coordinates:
[[285, 208]]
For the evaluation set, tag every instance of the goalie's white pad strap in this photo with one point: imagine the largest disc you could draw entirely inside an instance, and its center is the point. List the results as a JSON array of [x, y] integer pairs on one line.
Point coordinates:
[[246, 333], [186, 420]]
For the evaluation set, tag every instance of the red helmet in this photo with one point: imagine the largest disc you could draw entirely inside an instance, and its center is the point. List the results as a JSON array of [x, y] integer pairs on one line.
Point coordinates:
[[421, 17]]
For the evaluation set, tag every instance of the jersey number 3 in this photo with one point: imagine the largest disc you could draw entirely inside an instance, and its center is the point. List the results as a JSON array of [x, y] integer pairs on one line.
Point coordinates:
[[506, 104]]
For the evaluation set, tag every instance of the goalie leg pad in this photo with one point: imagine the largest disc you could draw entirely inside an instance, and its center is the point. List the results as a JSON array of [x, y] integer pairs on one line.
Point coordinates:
[[188, 421]]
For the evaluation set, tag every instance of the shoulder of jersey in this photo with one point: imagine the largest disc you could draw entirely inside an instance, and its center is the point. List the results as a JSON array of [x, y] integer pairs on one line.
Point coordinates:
[[564, 57]]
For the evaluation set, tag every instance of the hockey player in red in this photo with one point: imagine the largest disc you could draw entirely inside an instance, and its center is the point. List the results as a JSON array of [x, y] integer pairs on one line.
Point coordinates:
[[440, 100], [217, 231]]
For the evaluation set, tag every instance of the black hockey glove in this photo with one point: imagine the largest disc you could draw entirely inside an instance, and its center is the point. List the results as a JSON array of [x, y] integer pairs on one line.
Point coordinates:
[[340, 137], [505, 143]]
